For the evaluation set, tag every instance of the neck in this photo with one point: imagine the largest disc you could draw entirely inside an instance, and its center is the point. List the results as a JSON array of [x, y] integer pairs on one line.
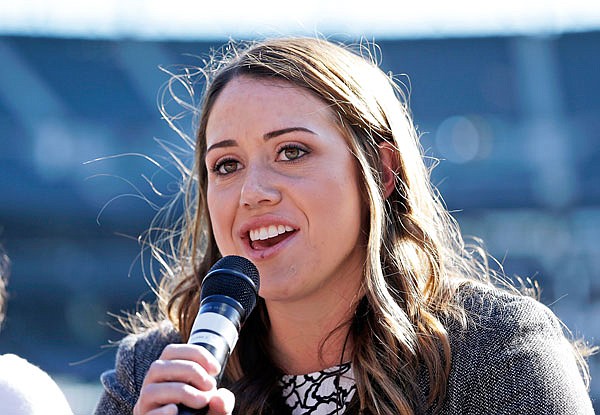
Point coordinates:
[[307, 337]]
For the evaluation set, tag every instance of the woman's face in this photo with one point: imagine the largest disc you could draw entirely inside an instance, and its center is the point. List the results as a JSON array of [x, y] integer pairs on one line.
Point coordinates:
[[283, 190]]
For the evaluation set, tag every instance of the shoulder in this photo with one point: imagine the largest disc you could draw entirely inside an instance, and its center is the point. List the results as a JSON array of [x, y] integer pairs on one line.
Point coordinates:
[[145, 347], [499, 322], [25, 388], [512, 357], [135, 354], [495, 312]]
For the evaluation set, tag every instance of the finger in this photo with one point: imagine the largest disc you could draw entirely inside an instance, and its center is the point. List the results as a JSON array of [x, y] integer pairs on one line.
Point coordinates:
[[170, 409], [222, 402], [184, 371], [194, 353], [145, 406], [157, 395]]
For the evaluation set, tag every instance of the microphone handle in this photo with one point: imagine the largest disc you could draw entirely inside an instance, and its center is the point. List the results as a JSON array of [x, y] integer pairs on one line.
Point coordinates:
[[222, 355]]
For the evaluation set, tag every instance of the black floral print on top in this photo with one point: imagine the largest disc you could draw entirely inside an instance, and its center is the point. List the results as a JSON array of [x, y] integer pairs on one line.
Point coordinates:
[[320, 393]]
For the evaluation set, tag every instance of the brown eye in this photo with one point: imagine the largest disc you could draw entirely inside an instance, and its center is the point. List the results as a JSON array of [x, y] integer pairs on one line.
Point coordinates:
[[292, 152], [226, 167]]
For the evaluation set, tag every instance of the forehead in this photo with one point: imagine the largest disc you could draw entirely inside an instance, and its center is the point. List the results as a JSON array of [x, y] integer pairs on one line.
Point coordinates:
[[265, 100], [246, 86]]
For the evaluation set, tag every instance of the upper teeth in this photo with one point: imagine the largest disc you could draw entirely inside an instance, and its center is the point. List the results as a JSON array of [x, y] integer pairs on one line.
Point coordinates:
[[267, 232]]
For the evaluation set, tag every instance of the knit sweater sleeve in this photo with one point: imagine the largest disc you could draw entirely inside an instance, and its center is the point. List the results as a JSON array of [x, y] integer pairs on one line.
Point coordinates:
[[518, 361], [136, 353]]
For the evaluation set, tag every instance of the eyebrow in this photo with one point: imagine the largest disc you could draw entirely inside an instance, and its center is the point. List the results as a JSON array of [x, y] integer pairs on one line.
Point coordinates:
[[283, 131], [224, 143], [266, 136]]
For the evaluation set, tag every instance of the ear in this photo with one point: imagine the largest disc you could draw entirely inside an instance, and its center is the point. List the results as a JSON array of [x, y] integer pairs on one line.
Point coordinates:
[[389, 166]]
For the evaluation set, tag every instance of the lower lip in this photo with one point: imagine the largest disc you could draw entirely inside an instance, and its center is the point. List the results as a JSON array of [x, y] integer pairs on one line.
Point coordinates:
[[263, 254]]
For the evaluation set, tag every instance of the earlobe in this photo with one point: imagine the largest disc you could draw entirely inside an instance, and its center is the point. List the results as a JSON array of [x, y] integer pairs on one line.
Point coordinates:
[[389, 167]]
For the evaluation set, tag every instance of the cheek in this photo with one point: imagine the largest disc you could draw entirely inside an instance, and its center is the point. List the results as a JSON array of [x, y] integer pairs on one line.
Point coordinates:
[[357, 204], [219, 217], [212, 210], [344, 207]]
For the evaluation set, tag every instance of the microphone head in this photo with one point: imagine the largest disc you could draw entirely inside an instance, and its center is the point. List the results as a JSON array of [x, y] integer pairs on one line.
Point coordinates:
[[235, 277]]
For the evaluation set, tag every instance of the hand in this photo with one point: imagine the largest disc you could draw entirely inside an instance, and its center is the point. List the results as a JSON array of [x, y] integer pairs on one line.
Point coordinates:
[[184, 373]]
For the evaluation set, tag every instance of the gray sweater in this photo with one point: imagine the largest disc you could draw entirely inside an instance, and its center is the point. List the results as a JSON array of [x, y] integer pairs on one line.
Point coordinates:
[[512, 359]]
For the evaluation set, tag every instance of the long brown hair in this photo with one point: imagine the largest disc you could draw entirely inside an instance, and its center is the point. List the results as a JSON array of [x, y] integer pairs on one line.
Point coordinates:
[[416, 257]]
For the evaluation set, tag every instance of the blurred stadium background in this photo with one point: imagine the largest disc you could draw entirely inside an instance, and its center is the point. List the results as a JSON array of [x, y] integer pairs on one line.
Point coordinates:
[[514, 118]]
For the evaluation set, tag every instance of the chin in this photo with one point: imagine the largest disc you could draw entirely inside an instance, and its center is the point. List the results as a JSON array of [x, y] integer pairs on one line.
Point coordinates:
[[277, 292]]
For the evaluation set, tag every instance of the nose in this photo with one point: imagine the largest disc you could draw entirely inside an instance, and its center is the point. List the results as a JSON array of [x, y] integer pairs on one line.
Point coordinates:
[[259, 188]]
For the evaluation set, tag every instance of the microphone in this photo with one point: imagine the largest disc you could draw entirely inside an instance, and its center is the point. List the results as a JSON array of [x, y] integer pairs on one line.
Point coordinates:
[[228, 296]]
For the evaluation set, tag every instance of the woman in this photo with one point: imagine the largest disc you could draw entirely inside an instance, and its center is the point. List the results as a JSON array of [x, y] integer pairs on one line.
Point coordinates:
[[308, 164]]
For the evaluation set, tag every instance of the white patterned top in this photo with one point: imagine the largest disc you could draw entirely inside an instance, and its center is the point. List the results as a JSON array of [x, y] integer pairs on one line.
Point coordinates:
[[326, 392]]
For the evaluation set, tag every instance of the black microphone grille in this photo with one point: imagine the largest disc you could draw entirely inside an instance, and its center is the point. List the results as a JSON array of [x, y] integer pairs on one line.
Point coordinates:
[[235, 277]]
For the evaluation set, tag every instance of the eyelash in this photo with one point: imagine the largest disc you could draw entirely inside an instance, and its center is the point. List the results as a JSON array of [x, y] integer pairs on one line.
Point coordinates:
[[220, 163], [301, 149]]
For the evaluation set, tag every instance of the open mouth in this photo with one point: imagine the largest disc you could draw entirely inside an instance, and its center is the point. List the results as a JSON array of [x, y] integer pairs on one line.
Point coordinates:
[[268, 236]]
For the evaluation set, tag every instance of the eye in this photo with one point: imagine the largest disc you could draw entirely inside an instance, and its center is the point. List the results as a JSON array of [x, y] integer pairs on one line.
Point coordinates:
[[291, 152], [226, 166]]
